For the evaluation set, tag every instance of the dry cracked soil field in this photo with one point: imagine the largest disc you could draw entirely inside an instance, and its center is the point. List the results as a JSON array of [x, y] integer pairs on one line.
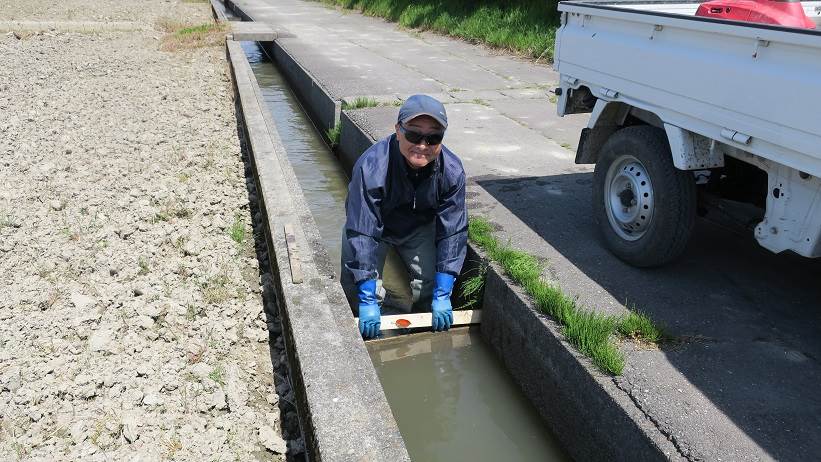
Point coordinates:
[[132, 320]]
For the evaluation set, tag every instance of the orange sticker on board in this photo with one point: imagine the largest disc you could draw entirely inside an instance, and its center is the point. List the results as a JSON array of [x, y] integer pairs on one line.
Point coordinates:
[[403, 323]]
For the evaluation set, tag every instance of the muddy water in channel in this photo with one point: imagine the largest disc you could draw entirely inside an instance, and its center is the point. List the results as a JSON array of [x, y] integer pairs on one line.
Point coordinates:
[[453, 400], [451, 397]]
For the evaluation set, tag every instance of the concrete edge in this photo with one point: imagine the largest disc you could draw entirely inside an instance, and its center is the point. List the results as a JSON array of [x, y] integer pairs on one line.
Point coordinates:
[[584, 408], [343, 412], [218, 11]]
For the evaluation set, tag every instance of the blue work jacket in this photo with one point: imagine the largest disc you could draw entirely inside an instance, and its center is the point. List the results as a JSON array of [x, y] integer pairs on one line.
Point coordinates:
[[388, 198]]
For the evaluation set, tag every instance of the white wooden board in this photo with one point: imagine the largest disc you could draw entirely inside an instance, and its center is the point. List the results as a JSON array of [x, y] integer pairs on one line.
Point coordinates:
[[414, 320]]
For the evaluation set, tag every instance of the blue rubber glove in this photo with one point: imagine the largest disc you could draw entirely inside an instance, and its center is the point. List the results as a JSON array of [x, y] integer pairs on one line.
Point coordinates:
[[369, 312], [440, 307]]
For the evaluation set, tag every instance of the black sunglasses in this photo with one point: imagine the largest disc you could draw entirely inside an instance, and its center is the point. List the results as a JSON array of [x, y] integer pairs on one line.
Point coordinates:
[[416, 137]]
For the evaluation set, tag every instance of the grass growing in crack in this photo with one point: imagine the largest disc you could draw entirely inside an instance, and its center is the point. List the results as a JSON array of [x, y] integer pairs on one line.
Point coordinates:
[[237, 230], [524, 26], [333, 134], [639, 326], [588, 331], [361, 103]]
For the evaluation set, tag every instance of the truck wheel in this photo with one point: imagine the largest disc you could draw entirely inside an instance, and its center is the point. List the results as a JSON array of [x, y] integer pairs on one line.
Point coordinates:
[[643, 206]]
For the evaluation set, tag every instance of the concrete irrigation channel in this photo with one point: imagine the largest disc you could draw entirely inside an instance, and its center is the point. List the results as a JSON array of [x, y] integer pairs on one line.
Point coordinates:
[[344, 413], [445, 389]]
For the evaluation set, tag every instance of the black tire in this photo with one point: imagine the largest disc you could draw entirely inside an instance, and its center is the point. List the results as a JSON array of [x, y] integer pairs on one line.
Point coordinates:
[[645, 220]]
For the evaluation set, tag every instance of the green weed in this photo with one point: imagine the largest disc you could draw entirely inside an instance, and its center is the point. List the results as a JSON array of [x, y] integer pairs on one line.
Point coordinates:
[[472, 287], [218, 375], [7, 220], [333, 134], [185, 36], [144, 268], [171, 209], [360, 103], [237, 230], [639, 326], [215, 289], [192, 311], [199, 29], [527, 27], [588, 331]]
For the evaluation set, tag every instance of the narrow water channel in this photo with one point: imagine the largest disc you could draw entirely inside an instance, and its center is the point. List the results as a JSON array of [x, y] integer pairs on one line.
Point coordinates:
[[320, 175], [451, 397]]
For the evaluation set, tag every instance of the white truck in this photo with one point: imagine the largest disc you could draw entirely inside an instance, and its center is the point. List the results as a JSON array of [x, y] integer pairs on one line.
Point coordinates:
[[689, 112]]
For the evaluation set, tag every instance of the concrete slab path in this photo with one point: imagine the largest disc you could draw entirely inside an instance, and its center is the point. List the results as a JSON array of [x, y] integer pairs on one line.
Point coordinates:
[[741, 383]]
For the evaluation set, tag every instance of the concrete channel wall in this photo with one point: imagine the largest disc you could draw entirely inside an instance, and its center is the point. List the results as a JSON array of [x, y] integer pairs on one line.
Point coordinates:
[[342, 408], [584, 408]]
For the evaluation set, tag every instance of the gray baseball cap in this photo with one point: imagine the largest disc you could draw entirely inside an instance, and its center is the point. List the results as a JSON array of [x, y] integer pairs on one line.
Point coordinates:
[[418, 105]]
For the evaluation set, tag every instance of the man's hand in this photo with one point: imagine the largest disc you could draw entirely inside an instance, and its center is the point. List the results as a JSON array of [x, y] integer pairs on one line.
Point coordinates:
[[369, 317], [369, 312], [441, 309]]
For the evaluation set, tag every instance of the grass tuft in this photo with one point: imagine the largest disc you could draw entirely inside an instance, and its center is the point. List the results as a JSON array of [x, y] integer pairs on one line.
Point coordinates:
[[527, 27], [144, 268], [218, 375], [180, 36], [639, 326], [216, 289], [472, 288], [360, 103], [589, 332], [7, 220], [237, 230], [333, 135]]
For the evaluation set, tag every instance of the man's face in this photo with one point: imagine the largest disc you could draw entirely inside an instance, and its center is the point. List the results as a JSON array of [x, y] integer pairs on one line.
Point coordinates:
[[419, 154]]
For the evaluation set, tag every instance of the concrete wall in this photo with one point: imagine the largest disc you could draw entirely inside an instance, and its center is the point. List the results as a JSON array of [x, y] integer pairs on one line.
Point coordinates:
[[343, 412], [318, 104], [580, 405]]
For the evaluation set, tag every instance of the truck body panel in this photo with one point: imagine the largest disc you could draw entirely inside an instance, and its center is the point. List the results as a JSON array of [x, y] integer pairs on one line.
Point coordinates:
[[717, 87]]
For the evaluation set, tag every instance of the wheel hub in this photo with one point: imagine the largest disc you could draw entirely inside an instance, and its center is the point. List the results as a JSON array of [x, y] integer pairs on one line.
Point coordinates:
[[628, 198]]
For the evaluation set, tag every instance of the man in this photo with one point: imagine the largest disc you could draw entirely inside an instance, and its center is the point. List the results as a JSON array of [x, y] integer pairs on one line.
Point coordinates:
[[407, 192]]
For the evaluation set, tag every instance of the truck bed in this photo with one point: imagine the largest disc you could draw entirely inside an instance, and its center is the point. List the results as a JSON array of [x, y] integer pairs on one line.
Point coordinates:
[[811, 9], [703, 74]]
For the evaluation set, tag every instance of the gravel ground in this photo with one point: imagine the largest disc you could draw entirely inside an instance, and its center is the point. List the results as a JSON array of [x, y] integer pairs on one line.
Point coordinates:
[[132, 324]]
